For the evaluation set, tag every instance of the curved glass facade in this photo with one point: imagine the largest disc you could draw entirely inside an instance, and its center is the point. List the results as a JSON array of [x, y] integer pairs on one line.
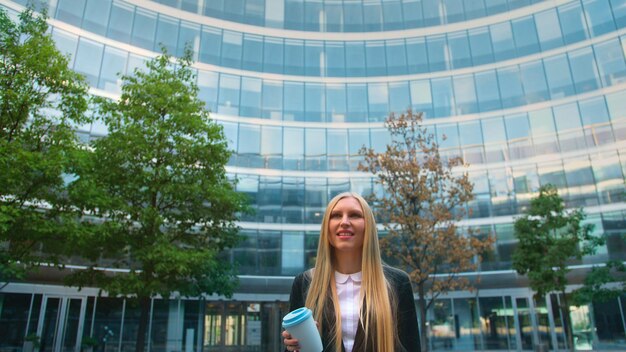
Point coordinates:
[[528, 92]]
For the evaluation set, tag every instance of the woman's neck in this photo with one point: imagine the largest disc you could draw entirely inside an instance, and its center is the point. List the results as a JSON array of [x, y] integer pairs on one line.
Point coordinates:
[[348, 263]]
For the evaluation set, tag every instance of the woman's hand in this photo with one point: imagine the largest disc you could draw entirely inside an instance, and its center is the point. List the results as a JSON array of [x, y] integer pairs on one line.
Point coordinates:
[[290, 343]]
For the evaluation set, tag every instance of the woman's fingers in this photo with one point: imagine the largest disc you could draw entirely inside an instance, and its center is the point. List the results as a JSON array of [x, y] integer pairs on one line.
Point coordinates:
[[291, 343]]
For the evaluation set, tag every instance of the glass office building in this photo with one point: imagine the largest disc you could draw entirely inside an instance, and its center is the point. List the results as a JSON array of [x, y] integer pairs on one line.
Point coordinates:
[[529, 92]]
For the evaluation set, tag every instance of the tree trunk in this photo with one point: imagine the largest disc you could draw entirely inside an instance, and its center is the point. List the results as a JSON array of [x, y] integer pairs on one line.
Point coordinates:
[[567, 324], [144, 316], [422, 312]]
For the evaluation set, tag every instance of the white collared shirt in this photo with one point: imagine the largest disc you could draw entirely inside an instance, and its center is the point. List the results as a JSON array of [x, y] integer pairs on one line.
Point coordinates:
[[348, 290]]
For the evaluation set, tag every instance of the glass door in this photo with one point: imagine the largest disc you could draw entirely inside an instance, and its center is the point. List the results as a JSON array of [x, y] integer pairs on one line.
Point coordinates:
[[60, 323]]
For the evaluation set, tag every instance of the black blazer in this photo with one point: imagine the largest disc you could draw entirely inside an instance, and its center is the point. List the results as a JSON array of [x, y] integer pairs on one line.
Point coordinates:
[[406, 318]]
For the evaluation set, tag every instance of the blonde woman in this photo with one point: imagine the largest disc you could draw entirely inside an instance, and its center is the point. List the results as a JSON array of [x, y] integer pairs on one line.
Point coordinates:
[[358, 303]]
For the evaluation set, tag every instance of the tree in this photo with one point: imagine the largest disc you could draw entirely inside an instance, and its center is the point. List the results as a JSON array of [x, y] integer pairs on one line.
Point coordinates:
[[424, 197], [602, 283], [549, 238], [157, 191], [41, 100]]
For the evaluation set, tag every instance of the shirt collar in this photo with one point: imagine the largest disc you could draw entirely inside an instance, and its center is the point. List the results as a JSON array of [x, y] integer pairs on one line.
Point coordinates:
[[343, 278]]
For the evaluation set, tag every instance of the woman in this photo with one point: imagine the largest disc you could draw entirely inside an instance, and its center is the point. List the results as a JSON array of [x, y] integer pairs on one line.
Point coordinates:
[[358, 304]]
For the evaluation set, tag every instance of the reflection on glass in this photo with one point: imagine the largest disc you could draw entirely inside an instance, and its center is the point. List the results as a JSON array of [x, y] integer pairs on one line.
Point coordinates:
[[493, 323], [525, 327], [466, 325]]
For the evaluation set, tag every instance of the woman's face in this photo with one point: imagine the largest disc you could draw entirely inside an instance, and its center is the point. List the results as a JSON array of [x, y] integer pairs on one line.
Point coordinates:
[[346, 226]]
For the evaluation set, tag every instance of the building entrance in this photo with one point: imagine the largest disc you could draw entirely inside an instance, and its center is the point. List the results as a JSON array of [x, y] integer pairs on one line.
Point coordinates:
[[60, 321]]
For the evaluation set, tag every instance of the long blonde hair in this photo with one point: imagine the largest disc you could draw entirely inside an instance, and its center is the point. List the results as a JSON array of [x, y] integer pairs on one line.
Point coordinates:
[[377, 313]]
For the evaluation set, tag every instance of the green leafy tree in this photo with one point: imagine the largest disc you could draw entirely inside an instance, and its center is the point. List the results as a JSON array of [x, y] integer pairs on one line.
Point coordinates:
[[550, 238], [603, 283], [41, 100], [423, 199], [157, 190]]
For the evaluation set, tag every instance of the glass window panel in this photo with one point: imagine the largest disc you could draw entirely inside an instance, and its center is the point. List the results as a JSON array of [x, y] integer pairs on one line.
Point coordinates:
[[143, 29], [335, 59], [432, 13], [480, 44], [573, 23], [233, 10], [584, 70], [294, 57], [502, 41], [66, 43], [392, 15], [558, 74], [252, 52], [465, 94], [113, 64], [610, 59], [359, 138], [211, 45], [437, 53], [121, 22], [96, 16], [453, 10], [510, 87], [231, 49], [580, 182], [190, 6], [487, 91], [292, 252], [619, 12], [380, 139], [293, 148], [337, 142], [229, 95], [616, 103], [568, 125], [269, 245], [493, 322], [372, 16], [314, 57], [231, 130], [548, 30], [250, 97], [525, 34], [294, 141], [396, 57], [375, 54], [421, 97], [315, 102], [399, 100], [353, 15], [493, 130], [443, 97], [608, 177], [416, 60], [294, 14], [357, 103], [315, 149], [517, 126], [474, 9], [255, 12], [355, 55], [334, 16], [541, 122], [207, 84], [89, 59], [378, 98], [249, 139], [294, 101], [534, 82], [272, 104], [458, 45], [273, 55], [599, 17], [495, 6], [188, 36], [312, 13], [593, 111], [166, 34], [272, 146], [70, 11], [448, 135], [336, 102]]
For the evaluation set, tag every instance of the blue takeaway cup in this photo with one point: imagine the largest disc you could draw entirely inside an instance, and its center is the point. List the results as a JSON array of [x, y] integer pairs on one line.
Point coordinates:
[[300, 324]]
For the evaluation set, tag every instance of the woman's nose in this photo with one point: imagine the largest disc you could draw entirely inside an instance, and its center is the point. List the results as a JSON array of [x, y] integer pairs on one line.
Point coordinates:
[[345, 220]]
